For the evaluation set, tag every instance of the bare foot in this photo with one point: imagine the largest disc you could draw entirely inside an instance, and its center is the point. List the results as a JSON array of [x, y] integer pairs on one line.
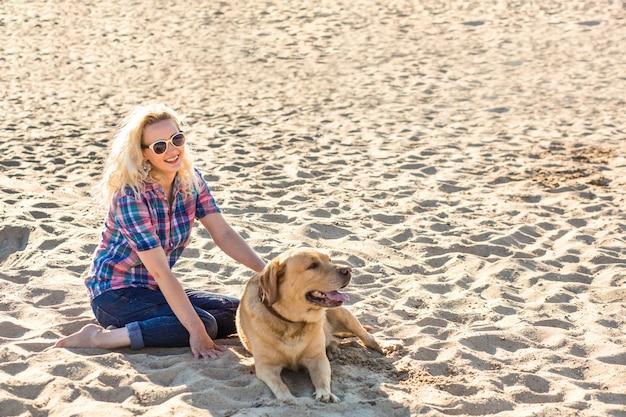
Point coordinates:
[[84, 338], [94, 336]]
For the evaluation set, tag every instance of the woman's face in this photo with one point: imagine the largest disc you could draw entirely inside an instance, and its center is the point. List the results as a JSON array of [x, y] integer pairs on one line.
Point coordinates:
[[169, 162]]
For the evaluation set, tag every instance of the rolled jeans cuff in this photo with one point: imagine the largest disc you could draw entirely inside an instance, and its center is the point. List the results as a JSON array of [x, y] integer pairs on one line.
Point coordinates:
[[136, 337]]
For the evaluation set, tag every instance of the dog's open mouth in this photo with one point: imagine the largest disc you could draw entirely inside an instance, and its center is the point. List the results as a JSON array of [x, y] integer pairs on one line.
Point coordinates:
[[327, 299]]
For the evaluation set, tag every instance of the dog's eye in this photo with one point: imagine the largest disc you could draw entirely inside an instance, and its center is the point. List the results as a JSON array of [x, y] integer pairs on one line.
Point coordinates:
[[312, 266]]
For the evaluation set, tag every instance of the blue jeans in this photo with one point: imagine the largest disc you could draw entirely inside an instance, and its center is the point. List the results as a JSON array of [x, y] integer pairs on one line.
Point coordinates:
[[152, 323]]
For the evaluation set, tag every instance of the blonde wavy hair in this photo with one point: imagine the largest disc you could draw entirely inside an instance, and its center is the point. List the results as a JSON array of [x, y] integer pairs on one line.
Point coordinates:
[[124, 165]]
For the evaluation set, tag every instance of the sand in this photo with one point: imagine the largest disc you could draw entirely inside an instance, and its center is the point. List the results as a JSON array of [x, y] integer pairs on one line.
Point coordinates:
[[466, 158]]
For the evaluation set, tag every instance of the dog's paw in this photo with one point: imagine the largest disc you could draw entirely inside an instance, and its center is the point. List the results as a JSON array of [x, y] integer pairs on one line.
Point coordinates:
[[326, 396], [392, 345], [287, 399], [332, 350]]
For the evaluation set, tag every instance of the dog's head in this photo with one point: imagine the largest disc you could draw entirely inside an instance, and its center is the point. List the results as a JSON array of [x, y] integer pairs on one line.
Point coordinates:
[[305, 278]]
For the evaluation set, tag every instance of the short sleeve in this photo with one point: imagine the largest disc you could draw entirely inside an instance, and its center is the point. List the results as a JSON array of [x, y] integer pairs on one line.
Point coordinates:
[[135, 223], [205, 203]]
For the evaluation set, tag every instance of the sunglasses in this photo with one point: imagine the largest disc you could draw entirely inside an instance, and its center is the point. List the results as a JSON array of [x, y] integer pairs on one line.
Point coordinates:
[[177, 139]]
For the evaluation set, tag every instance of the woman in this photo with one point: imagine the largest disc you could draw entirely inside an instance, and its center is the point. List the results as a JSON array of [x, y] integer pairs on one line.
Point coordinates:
[[154, 194]]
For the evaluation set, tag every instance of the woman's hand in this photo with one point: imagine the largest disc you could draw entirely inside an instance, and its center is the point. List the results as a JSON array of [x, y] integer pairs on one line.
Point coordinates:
[[203, 347]]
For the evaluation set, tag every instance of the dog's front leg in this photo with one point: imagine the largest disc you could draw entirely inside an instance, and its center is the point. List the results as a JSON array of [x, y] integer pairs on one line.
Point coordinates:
[[319, 370], [341, 318], [271, 376]]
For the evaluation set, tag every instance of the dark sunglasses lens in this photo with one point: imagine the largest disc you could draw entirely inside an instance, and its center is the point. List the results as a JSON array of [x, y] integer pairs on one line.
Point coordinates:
[[159, 147], [178, 139]]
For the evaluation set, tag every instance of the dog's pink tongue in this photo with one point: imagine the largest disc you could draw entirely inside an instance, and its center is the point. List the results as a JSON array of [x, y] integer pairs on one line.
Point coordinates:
[[337, 296]]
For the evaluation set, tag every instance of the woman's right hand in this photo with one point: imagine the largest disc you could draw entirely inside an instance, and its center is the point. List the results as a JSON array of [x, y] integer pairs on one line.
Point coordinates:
[[203, 347]]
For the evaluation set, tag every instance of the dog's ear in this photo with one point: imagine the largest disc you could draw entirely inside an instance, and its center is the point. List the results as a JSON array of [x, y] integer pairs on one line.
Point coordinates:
[[269, 280]]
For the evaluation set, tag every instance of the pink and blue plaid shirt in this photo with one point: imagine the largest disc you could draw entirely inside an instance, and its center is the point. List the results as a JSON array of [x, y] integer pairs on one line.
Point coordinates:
[[139, 222]]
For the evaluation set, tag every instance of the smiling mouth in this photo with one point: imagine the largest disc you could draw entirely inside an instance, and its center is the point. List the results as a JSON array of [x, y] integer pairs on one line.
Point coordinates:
[[172, 159], [327, 299]]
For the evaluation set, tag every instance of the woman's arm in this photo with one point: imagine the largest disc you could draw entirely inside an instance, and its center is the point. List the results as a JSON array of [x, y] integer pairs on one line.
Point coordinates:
[[200, 342], [229, 241]]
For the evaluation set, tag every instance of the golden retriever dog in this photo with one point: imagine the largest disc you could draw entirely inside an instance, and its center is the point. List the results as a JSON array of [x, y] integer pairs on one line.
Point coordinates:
[[288, 314]]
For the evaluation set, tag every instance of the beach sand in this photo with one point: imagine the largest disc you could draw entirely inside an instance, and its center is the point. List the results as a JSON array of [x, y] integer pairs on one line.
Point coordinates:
[[466, 158]]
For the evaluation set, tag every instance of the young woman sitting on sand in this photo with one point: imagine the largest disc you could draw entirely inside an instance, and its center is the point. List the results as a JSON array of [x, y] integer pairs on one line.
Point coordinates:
[[154, 194]]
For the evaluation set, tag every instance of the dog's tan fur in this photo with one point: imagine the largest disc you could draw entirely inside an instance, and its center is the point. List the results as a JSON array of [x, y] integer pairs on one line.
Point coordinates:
[[297, 333]]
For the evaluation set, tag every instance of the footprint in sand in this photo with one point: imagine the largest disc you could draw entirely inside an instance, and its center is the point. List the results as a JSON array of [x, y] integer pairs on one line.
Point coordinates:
[[12, 239]]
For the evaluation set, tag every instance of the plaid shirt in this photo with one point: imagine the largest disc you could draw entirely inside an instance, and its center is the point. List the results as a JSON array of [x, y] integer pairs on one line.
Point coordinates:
[[139, 222]]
